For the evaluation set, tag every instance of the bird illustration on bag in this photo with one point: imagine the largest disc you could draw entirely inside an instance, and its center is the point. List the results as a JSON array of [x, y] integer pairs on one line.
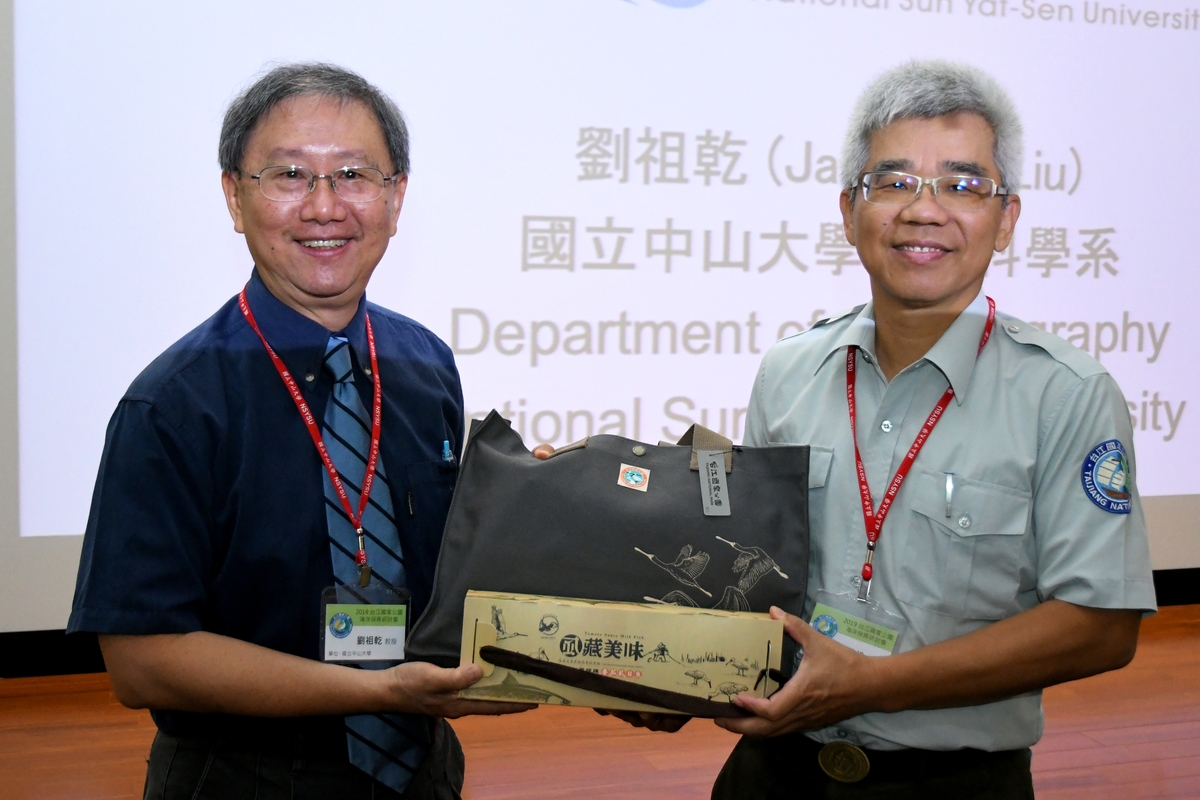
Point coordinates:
[[685, 569], [751, 564]]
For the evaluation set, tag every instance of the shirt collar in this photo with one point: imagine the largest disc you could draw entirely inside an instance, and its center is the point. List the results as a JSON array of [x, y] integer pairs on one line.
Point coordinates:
[[859, 333], [953, 354], [298, 340]]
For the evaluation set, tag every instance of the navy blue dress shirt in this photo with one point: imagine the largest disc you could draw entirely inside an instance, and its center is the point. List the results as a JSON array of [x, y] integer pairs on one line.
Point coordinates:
[[209, 508]]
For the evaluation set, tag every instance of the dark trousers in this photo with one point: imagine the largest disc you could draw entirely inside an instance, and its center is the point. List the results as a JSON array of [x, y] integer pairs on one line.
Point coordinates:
[[195, 768], [786, 767]]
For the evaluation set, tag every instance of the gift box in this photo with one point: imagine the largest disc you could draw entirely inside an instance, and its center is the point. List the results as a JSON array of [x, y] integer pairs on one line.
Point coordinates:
[[620, 656]]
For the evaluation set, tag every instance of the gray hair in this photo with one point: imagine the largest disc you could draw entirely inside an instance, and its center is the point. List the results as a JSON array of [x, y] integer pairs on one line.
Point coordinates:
[[927, 89], [291, 80]]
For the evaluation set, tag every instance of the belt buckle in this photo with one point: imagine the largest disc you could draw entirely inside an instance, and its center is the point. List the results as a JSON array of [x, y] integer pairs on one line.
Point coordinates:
[[844, 762]]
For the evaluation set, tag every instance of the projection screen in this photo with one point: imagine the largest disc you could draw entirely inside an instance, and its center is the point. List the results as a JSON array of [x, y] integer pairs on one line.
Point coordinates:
[[615, 207]]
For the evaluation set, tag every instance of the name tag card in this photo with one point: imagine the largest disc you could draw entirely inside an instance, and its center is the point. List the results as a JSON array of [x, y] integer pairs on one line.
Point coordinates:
[[358, 629], [862, 625], [714, 493]]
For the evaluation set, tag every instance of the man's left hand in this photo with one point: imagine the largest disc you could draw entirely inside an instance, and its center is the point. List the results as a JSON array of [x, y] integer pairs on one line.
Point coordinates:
[[1052, 642], [833, 683]]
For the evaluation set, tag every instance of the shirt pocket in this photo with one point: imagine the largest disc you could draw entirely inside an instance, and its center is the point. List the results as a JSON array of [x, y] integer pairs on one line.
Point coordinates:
[[968, 564], [430, 486]]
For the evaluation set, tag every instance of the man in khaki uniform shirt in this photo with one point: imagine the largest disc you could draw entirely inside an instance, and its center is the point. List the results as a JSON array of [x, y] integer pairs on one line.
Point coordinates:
[[1014, 551]]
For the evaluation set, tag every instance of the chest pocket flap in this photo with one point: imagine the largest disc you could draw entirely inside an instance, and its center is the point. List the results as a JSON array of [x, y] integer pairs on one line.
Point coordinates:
[[975, 508]]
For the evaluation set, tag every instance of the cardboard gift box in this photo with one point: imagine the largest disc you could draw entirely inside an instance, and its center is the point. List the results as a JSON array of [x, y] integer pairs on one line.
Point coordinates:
[[622, 656]]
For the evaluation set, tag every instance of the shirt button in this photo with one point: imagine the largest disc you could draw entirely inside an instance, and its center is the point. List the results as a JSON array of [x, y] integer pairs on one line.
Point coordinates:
[[964, 521], [841, 733], [886, 426], [1013, 328], [310, 377]]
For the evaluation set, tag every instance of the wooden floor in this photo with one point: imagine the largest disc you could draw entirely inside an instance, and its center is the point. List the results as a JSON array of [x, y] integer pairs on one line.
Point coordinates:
[[1129, 734]]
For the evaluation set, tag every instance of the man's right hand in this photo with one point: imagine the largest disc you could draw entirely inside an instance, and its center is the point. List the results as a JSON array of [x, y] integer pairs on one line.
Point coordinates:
[[427, 689]]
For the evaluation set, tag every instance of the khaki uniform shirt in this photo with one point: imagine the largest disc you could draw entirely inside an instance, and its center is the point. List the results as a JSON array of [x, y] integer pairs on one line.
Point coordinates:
[[1022, 527]]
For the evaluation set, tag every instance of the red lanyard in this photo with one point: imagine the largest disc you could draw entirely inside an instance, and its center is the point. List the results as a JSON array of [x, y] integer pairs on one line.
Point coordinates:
[[315, 431], [874, 519]]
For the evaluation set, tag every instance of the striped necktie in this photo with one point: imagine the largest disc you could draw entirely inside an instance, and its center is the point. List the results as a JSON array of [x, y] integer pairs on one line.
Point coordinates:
[[388, 747]]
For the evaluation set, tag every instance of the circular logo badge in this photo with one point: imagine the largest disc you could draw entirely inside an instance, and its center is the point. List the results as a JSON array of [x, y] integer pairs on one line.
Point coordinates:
[[1106, 477], [571, 645], [634, 477], [340, 625], [548, 625], [826, 624]]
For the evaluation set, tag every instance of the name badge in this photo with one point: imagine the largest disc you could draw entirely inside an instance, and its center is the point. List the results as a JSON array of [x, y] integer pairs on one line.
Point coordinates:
[[356, 630], [863, 626]]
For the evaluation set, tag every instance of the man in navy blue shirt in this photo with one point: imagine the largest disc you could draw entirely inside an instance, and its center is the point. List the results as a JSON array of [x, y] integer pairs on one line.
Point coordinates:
[[207, 548]]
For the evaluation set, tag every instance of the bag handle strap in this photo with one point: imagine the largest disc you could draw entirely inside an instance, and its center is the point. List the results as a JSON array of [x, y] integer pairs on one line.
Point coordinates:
[[701, 438], [566, 448]]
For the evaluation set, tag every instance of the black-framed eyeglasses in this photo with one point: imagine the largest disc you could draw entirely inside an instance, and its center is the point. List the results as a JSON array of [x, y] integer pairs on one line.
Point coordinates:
[[352, 184], [891, 188]]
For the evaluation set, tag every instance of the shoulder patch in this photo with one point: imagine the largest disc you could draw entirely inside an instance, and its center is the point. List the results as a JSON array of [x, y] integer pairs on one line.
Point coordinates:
[[1053, 345], [1106, 478]]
